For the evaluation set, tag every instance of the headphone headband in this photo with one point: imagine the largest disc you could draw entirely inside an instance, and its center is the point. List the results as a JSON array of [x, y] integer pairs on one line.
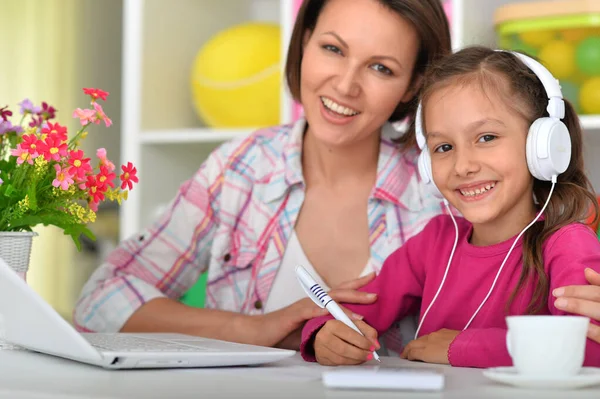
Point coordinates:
[[555, 108], [556, 105]]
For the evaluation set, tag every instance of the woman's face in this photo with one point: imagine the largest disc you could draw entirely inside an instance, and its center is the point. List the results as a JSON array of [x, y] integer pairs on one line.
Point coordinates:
[[356, 69]]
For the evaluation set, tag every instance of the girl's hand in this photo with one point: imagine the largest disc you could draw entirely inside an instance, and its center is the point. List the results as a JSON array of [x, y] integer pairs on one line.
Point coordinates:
[[431, 348], [582, 300], [337, 344], [283, 327]]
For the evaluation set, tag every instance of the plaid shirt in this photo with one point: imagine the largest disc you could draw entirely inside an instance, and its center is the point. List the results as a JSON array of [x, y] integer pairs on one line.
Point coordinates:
[[233, 218]]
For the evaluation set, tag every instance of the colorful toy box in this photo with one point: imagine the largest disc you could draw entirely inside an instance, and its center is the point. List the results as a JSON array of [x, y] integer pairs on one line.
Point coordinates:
[[565, 37]]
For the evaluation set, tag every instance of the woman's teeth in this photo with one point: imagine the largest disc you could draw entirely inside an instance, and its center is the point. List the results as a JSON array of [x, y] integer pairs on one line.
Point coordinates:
[[478, 190], [337, 108]]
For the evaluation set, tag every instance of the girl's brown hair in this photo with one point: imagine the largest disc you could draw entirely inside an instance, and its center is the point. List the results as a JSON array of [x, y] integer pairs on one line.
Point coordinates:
[[573, 195], [426, 16]]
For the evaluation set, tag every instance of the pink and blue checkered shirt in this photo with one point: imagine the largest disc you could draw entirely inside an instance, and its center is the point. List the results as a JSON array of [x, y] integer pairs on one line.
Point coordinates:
[[233, 218]]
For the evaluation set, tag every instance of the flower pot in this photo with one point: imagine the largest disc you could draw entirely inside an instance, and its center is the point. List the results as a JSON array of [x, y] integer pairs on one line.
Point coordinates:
[[15, 250]]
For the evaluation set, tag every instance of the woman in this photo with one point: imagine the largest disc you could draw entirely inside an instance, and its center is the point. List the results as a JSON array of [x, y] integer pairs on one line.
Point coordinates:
[[333, 192], [583, 300]]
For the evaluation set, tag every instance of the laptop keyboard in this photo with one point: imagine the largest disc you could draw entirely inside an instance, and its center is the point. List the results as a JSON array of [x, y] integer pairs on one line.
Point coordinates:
[[127, 343]]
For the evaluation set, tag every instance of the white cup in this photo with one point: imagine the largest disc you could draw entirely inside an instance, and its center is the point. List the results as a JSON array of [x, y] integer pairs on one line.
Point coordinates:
[[547, 345]]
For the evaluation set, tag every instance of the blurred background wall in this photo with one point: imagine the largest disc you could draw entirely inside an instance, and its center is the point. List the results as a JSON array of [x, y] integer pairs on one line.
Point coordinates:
[[51, 49]]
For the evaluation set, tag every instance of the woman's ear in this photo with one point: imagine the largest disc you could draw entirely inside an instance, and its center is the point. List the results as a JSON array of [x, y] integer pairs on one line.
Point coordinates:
[[413, 89]]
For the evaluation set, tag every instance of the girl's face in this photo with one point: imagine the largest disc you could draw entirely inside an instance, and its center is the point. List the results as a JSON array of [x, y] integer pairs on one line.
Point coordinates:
[[477, 147], [356, 69]]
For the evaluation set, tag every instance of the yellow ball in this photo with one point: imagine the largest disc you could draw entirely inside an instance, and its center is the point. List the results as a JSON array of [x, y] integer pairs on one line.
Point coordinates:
[[236, 77], [537, 37], [589, 96], [559, 57]]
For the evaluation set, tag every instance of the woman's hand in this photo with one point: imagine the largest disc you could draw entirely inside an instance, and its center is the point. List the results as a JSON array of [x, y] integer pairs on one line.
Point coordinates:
[[583, 300], [431, 348], [337, 344], [283, 327]]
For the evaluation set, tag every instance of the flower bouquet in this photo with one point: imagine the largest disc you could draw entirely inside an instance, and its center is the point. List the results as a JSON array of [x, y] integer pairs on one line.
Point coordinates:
[[45, 178]]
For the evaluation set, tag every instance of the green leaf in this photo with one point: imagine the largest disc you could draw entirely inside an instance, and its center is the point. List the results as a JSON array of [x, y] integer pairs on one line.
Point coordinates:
[[32, 193], [10, 189]]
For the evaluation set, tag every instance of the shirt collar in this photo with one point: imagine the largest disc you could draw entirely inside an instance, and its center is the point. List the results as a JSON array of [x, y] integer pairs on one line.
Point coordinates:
[[397, 180], [287, 170]]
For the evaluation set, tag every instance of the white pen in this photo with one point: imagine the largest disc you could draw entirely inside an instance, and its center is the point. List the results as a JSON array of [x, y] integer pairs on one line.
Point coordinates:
[[320, 297]]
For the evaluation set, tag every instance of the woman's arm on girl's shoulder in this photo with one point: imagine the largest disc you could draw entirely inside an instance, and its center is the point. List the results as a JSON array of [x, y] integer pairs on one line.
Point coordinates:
[[569, 252], [161, 262]]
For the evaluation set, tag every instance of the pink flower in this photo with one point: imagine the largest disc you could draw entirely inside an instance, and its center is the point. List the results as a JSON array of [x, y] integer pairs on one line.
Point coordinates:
[[80, 166], [29, 143], [63, 178], [85, 116], [96, 93], [55, 129], [100, 115], [52, 148], [22, 154], [101, 154], [128, 177]]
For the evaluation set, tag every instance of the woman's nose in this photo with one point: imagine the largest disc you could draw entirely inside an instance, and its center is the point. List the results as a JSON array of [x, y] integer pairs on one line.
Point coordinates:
[[347, 82]]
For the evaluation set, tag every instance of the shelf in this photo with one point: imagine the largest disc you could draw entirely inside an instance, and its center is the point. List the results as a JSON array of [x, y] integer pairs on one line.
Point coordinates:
[[200, 135], [590, 122]]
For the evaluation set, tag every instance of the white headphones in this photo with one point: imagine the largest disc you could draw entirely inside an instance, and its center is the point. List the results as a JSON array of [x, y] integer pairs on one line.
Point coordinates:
[[548, 147], [548, 152]]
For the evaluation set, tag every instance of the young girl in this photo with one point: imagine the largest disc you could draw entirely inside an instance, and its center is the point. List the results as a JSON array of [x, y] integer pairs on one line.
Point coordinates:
[[505, 179]]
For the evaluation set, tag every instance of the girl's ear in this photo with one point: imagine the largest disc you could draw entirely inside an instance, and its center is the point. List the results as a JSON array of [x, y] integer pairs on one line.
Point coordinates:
[[413, 89]]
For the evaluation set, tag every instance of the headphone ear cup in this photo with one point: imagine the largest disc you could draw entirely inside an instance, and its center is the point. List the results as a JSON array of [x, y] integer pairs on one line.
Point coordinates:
[[531, 149], [548, 148], [424, 163]]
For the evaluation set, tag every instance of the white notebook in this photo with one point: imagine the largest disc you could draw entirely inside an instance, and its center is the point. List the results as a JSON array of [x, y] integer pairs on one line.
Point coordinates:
[[382, 377]]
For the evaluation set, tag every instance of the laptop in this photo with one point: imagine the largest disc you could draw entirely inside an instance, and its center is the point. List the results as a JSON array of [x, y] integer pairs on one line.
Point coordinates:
[[31, 323]]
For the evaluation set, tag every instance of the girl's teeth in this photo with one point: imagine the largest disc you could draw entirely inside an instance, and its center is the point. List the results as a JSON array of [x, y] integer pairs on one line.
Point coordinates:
[[339, 109], [477, 191]]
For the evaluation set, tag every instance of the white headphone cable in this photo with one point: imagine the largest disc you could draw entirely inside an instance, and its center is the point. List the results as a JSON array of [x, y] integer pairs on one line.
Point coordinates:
[[447, 268], [554, 177]]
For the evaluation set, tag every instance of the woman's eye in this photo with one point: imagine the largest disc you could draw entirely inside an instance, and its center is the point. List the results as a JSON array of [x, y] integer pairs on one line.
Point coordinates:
[[332, 48], [487, 137], [443, 148], [382, 69]]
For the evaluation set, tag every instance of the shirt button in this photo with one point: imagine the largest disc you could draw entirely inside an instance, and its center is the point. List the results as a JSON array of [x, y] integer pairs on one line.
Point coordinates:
[[227, 257], [258, 304]]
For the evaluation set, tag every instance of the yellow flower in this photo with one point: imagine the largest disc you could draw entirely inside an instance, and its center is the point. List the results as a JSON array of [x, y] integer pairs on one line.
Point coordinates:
[[91, 215], [23, 206], [40, 166]]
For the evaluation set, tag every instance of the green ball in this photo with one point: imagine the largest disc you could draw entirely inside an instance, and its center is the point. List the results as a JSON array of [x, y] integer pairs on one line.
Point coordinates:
[[587, 56], [570, 92]]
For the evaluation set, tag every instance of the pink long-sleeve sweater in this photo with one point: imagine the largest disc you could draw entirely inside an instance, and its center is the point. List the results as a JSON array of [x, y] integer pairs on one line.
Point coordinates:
[[410, 278]]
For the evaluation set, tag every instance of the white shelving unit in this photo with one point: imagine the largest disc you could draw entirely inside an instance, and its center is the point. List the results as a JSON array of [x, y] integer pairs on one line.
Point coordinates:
[[162, 135]]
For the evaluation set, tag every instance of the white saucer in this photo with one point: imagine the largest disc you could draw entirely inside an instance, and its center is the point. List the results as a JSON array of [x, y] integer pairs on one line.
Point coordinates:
[[588, 376]]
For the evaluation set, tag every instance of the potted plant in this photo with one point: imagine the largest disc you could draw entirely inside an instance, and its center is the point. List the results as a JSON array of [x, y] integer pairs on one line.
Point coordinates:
[[45, 177]]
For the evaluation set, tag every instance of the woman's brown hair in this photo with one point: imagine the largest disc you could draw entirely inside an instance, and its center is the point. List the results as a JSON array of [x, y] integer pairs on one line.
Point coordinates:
[[521, 89], [426, 16]]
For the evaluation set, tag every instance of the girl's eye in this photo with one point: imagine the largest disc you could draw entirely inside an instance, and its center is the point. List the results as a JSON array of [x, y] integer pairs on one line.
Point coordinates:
[[332, 48], [382, 69], [443, 148], [487, 137]]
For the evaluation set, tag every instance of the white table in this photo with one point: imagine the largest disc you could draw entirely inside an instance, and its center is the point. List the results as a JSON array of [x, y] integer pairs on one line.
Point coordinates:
[[27, 375]]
